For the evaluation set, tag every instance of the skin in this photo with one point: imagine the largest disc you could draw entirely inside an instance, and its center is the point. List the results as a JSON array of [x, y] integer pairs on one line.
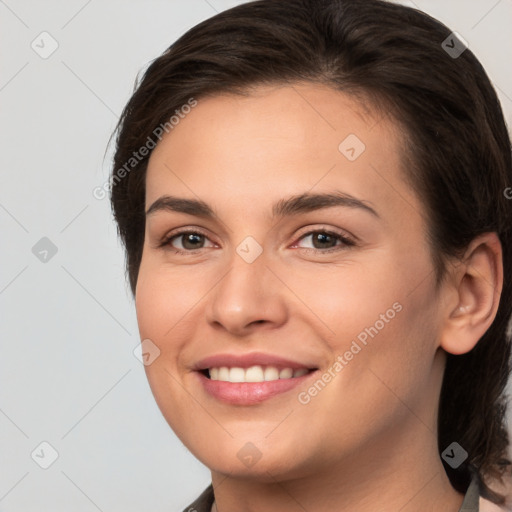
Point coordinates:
[[367, 441]]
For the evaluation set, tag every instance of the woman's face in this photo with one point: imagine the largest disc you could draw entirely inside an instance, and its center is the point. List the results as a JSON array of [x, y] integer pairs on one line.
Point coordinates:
[[306, 252]]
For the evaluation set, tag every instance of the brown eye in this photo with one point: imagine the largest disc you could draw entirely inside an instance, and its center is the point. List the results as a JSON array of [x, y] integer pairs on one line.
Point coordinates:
[[323, 240], [318, 240], [192, 240], [187, 241]]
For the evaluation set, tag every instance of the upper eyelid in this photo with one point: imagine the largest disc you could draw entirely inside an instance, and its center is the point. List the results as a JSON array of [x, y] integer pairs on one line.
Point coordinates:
[[342, 234]]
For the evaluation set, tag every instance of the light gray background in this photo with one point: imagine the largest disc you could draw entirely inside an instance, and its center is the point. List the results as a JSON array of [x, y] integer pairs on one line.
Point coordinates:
[[68, 375]]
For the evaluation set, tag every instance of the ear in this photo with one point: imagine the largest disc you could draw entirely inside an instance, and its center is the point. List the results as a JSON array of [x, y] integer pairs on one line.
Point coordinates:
[[475, 284]]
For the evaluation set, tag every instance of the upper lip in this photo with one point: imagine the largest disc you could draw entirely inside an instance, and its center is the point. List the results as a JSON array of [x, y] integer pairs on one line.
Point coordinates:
[[248, 360]]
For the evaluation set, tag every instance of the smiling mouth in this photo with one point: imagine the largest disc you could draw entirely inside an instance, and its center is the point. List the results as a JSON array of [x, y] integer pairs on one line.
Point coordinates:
[[254, 374]]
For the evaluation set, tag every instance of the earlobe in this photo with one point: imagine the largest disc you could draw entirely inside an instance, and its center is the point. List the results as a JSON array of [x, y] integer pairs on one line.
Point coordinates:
[[479, 280]]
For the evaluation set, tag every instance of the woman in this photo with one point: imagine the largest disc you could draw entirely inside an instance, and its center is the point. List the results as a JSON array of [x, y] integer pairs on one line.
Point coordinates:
[[313, 200]]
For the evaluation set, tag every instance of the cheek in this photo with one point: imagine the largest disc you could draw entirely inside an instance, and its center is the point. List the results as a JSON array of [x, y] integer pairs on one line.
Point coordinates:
[[388, 352], [380, 318], [385, 372], [164, 299], [162, 304], [346, 299]]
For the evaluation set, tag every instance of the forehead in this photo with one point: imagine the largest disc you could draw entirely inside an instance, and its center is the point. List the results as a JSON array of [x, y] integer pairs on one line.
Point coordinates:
[[280, 139]]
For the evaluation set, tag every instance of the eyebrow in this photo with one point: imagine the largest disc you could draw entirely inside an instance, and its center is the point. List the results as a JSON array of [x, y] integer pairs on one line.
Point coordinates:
[[294, 205]]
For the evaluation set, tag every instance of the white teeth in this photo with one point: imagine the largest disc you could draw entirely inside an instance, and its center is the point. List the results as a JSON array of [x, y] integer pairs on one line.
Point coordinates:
[[271, 373], [286, 373], [254, 373], [236, 375], [223, 373]]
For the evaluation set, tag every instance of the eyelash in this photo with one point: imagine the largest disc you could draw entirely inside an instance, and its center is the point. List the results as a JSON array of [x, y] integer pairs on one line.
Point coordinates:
[[345, 240]]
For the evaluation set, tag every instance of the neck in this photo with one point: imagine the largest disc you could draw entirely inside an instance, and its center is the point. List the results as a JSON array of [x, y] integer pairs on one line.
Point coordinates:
[[398, 472], [398, 469]]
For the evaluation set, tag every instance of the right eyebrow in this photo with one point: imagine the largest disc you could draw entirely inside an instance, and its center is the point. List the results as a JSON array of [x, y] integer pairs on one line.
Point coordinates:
[[293, 205], [181, 205]]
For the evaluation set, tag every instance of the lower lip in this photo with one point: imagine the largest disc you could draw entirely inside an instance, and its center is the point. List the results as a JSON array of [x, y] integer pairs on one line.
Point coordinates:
[[248, 393]]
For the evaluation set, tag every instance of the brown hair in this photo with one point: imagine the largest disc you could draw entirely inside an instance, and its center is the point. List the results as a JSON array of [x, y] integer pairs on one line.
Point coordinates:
[[456, 143]]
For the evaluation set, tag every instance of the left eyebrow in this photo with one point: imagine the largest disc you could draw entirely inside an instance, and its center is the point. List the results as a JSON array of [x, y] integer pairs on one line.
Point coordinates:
[[308, 202], [293, 205]]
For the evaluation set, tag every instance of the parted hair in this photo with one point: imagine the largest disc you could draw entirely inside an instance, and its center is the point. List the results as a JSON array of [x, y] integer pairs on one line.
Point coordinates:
[[456, 154]]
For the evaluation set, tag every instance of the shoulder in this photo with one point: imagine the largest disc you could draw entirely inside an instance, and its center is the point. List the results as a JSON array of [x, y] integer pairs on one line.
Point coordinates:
[[489, 506], [504, 487], [203, 503]]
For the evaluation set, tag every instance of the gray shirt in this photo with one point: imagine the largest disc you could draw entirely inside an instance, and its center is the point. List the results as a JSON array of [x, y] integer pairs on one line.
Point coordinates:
[[205, 501]]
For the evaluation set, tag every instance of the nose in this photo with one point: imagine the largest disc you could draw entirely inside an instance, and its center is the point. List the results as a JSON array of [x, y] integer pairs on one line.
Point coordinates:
[[249, 296]]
